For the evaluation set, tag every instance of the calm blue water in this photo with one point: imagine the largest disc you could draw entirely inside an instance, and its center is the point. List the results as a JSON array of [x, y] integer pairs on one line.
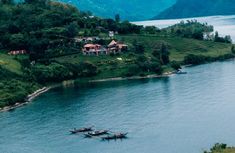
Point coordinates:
[[178, 114]]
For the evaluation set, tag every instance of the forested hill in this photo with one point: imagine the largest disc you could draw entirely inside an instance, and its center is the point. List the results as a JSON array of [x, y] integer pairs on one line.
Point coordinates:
[[196, 8], [131, 10]]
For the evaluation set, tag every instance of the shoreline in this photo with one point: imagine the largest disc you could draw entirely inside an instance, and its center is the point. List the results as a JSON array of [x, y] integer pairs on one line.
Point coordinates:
[[29, 98], [39, 92], [166, 74]]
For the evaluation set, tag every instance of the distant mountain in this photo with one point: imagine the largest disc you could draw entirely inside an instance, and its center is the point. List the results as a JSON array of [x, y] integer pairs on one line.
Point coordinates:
[[196, 8], [132, 10]]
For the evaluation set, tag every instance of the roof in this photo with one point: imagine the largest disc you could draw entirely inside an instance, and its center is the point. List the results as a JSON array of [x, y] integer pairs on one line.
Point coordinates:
[[113, 42], [91, 45]]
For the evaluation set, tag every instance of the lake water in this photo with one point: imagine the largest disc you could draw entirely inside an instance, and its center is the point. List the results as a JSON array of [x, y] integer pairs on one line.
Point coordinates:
[[178, 114], [225, 25]]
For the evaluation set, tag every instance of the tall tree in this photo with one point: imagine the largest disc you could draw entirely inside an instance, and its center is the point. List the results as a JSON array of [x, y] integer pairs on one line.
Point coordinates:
[[162, 53], [117, 18]]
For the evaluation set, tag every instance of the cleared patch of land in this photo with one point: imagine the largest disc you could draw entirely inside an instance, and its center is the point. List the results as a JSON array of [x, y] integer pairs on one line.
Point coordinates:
[[181, 47], [11, 64]]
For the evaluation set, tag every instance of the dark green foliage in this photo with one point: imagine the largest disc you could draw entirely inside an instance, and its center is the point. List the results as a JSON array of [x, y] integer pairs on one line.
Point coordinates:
[[175, 65], [190, 29], [150, 30], [87, 69], [162, 53], [4, 73], [200, 59], [72, 30], [218, 147], [45, 27], [51, 73], [194, 59], [133, 70], [143, 66], [117, 18], [226, 39], [56, 72], [14, 88], [138, 47], [233, 49]]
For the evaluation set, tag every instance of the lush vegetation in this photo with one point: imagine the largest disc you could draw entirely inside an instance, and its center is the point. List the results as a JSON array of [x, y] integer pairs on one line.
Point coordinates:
[[221, 148], [48, 32]]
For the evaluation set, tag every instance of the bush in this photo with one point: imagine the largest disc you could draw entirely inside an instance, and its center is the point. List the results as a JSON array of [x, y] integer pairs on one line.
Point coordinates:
[[87, 69], [218, 147], [175, 65], [233, 49], [194, 59], [51, 73], [132, 70]]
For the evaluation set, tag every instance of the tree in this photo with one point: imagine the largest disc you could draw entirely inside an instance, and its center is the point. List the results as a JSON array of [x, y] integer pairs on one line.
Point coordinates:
[[162, 54], [175, 65], [233, 49], [226, 39], [150, 29], [72, 30], [216, 35], [138, 47], [194, 59], [117, 18]]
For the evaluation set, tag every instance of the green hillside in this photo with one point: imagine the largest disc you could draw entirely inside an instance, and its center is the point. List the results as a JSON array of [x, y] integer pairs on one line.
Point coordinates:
[[49, 32]]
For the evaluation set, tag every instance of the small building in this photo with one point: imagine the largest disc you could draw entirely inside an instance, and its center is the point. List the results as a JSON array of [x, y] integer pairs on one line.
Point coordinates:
[[94, 49], [111, 34], [17, 52], [116, 47]]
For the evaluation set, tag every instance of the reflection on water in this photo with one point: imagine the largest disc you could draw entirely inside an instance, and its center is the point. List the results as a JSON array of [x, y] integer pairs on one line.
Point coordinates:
[[181, 113]]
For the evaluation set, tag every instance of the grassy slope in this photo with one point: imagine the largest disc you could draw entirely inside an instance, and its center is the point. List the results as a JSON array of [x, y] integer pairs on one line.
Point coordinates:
[[179, 48], [108, 66], [111, 66], [10, 63], [228, 150], [13, 86]]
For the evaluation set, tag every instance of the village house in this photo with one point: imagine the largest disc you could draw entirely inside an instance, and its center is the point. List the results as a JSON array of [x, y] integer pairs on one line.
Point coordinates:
[[17, 52], [94, 49], [116, 47]]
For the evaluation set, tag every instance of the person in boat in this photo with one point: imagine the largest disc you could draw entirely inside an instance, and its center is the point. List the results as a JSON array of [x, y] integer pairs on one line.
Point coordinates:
[[97, 133], [81, 130], [115, 136]]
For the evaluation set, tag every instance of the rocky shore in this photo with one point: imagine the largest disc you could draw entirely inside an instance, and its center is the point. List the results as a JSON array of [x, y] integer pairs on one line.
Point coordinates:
[[135, 77], [27, 100]]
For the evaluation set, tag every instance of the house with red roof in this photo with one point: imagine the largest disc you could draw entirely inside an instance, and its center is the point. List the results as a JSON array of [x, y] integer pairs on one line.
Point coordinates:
[[94, 49], [17, 52], [116, 47]]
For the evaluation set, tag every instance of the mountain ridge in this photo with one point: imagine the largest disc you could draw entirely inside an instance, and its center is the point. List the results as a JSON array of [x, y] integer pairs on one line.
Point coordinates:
[[197, 8], [133, 10]]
